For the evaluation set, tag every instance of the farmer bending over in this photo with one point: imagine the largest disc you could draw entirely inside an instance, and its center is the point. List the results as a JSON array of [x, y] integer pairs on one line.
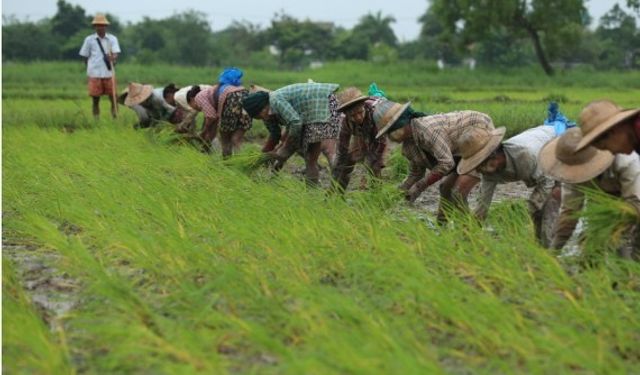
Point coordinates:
[[222, 108], [516, 159], [150, 104], [433, 142], [309, 111], [357, 122], [617, 175]]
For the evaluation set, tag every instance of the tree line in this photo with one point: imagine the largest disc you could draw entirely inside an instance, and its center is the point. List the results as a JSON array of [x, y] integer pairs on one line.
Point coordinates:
[[498, 34]]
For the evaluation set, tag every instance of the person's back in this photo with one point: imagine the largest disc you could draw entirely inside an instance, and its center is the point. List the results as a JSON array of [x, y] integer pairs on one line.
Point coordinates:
[[522, 153]]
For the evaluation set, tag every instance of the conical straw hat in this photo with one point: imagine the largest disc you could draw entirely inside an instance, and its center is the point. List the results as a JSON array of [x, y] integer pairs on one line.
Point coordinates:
[[138, 93], [386, 113]]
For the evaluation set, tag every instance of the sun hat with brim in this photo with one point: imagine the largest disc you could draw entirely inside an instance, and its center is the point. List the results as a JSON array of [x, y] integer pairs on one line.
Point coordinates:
[[100, 19], [560, 160], [138, 93], [350, 97], [477, 145], [598, 117], [386, 113]]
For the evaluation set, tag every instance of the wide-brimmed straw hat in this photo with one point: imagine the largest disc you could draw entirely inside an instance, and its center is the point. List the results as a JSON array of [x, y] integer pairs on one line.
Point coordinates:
[[476, 145], [138, 93], [386, 113], [560, 159], [349, 97], [100, 19], [598, 117]]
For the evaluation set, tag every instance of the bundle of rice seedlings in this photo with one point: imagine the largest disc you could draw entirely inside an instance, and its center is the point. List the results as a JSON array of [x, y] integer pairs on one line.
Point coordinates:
[[397, 165], [250, 160], [165, 133], [612, 225]]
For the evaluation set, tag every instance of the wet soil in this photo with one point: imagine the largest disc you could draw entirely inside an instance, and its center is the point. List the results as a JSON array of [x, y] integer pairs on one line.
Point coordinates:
[[53, 293]]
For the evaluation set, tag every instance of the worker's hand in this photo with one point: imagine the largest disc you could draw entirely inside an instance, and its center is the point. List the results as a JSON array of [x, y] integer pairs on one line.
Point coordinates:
[[412, 194], [207, 135], [270, 145]]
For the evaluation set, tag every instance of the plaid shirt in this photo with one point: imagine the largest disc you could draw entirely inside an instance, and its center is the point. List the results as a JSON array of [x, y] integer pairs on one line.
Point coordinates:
[[438, 135], [621, 179], [302, 103], [521, 154]]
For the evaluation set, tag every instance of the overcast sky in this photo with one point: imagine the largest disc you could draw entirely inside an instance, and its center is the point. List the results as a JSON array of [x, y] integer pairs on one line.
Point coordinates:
[[220, 13]]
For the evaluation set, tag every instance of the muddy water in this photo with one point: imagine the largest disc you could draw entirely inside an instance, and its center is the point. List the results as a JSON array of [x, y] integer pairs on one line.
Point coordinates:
[[53, 293]]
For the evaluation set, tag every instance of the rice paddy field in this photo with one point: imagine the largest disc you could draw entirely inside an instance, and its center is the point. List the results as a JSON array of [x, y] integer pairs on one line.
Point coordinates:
[[125, 253]]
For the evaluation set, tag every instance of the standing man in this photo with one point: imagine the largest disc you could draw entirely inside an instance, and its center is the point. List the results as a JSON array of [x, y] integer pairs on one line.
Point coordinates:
[[100, 51]]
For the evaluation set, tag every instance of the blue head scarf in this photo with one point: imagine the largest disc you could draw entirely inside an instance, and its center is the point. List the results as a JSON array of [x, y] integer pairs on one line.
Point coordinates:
[[229, 77], [556, 119]]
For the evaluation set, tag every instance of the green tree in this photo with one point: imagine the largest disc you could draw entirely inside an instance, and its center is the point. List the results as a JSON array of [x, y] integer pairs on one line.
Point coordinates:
[[436, 41], [298, 41], [184, 38], [376, 28], [371, 31], [549, 24], [28, 41], [69, 19], [620, 38]]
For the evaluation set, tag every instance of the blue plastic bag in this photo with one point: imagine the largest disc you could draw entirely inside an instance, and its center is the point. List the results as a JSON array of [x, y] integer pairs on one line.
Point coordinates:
[[556, 119]]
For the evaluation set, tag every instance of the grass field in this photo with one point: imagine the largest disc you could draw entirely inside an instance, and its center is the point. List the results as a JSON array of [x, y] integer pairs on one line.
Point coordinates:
[[174, 262]]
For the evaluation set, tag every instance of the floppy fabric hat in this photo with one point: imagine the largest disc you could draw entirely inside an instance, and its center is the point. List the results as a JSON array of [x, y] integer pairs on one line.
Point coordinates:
[[386, 113], [560, 159], [349, 97], [138, 93], [100, 19], [598, 117], [476, 146]]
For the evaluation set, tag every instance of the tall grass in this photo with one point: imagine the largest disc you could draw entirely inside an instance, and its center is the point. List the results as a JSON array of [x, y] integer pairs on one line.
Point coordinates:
[[190, 266]]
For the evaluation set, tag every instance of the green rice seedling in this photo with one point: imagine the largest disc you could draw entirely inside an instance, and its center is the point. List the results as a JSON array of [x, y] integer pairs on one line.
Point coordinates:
[[189, 265], [397, 166], [249, 159], [611, 225], [26, 340]]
